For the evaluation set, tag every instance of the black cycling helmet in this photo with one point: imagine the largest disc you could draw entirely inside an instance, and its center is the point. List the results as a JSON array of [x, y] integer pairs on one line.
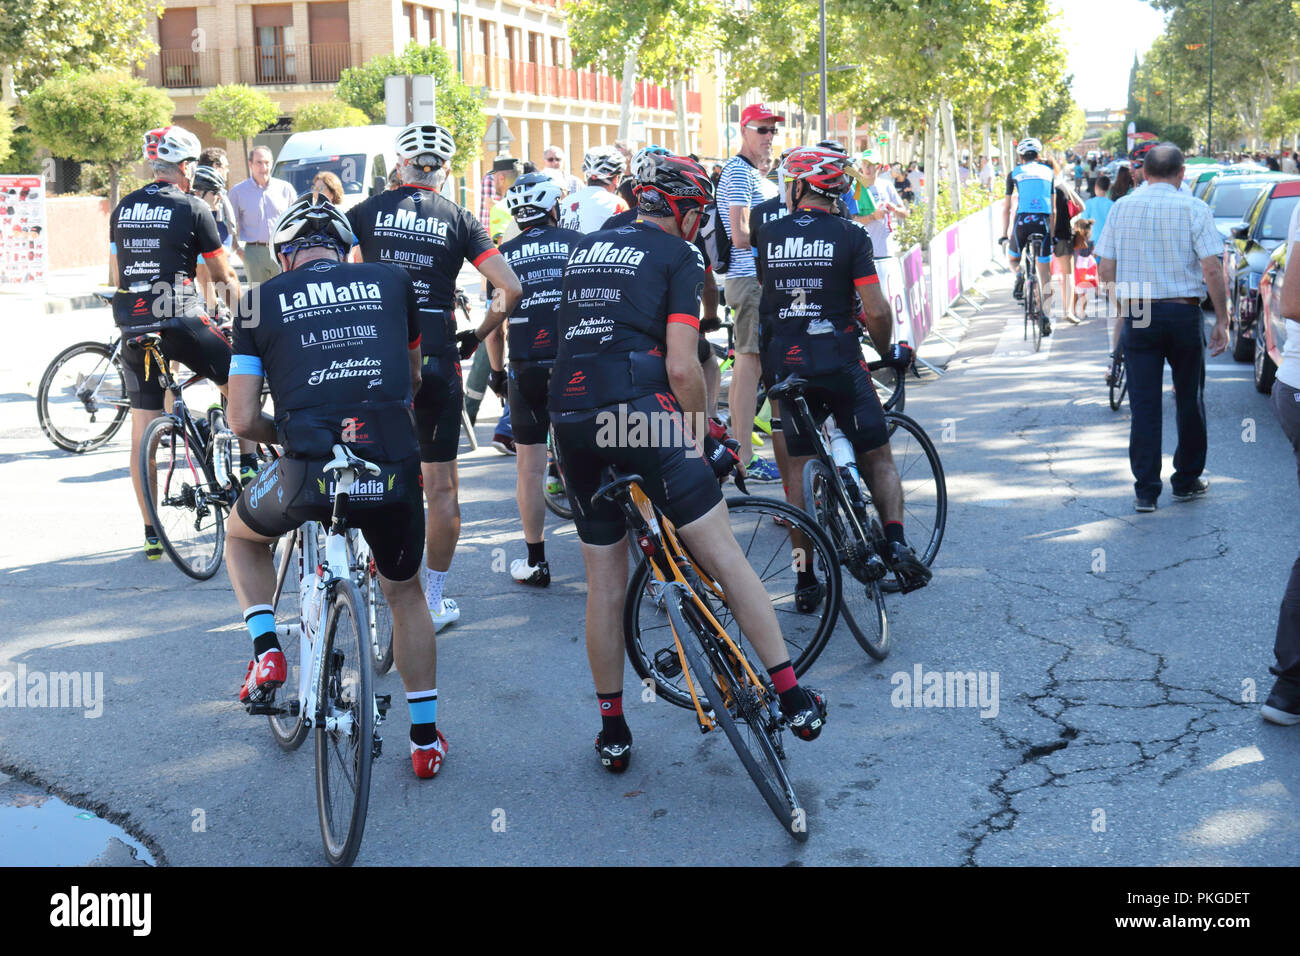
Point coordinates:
[[307, 223], [208, 179]]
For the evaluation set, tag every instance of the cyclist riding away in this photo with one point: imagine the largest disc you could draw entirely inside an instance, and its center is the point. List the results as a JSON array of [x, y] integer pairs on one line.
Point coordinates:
[[587, 209], [537, 256], [157, 235], [339, 345], [430, 237], [815, 267], [1035, 215], [628, 347]]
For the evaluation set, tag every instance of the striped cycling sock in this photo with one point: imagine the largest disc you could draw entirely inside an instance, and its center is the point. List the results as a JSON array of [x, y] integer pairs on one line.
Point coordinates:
[[260, 619]]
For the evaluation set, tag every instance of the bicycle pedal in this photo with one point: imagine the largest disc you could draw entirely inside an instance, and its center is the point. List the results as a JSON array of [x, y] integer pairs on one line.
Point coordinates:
[[266, 708], [376, 746], [667, 662], [382, 703]]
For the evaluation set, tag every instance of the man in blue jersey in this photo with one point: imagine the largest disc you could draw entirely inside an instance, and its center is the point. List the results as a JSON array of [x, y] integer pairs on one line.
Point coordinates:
[[1031, 183]]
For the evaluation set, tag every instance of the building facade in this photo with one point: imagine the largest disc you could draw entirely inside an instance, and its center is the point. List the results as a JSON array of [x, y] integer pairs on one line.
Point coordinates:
[[515, 51]]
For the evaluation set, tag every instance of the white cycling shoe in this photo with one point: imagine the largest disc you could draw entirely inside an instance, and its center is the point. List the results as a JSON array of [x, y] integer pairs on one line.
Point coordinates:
[[449, 613]]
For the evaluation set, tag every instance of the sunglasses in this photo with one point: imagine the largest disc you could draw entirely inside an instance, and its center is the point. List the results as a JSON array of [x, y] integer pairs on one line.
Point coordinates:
[[765, 130]]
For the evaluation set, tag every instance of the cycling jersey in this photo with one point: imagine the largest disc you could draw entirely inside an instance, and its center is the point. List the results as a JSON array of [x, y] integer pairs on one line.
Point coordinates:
[[1034, 182], [429, 236], [157, 233], [587, 209], [332, 341], [621, 290], [810, 265], [537, 258], [629, 216], [769, 210]]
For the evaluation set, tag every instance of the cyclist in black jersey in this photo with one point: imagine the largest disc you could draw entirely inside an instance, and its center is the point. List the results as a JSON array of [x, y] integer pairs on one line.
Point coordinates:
[[537, 256], [429, 236], [814, 267], [163, 250], [627, 391], [339, 345]]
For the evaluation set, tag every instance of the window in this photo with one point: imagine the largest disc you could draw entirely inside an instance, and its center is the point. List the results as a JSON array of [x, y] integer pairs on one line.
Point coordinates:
[[180, 63], [273, 32], [557, 51], [331, 51]]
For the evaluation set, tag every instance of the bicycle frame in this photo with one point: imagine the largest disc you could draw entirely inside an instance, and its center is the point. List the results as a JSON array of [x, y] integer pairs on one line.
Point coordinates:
[[823, 454]]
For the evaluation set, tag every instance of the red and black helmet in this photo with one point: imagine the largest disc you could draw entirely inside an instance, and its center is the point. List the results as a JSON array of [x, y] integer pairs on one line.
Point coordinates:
[[822, 169], [678, 183], [1139, 153]]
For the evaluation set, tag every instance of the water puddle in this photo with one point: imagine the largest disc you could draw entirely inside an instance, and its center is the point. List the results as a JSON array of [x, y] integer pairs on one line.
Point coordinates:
[[38, 829]]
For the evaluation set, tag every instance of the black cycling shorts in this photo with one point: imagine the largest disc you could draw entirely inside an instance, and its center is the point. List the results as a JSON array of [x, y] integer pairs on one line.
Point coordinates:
[[438, 406], [1028, 225], [192, 339], [850, 395], [528, 388], [674, 475], [388, 508]]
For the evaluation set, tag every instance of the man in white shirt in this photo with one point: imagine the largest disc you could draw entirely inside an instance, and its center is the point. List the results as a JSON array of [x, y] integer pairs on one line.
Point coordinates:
[[587, 209]]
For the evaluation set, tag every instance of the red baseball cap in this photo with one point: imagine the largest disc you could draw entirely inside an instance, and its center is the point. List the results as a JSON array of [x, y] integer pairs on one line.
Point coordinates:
[[758, 111]]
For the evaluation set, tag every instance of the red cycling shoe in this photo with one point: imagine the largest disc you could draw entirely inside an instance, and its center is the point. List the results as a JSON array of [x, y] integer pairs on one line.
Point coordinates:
[[427, 761], [263, 677]]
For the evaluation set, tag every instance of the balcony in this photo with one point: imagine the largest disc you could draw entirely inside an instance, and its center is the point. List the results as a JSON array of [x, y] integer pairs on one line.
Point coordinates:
[[502, 75], [180, 69], [298, 63]]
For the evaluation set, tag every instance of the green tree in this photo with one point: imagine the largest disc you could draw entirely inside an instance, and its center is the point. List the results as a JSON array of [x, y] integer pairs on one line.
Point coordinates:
[[236, 111], [458, 105], [96, 117], [328, 114], [6, 134], [22, 153], [1180, 135], [1112, 141], [40, 38]]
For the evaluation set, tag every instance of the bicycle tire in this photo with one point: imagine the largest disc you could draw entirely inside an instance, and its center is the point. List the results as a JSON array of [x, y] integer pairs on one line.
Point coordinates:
[[925, 485], [179, 500], [862, 605], [646, 633], [1034, 298], [1120, 388], [112, 376], [557, 503], [344, 690], [379, 617], [289, 730], [784, 806]]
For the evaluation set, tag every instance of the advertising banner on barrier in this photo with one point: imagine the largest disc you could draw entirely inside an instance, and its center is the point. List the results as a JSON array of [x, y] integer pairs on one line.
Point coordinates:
[[22, 230], [918, 296], [892, 284]]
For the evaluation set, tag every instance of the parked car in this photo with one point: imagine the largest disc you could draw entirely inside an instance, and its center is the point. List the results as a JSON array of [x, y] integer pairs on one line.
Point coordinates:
[[1272, 328], [1231, 196], [360, 156], [1201, 177], [1246, 258]]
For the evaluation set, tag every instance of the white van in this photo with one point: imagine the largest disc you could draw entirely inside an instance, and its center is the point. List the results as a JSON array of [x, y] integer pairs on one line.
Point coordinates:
[[361, 157]]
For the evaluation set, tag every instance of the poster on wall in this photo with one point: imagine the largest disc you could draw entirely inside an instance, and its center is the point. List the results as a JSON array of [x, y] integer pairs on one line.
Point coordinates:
[[23, 257]]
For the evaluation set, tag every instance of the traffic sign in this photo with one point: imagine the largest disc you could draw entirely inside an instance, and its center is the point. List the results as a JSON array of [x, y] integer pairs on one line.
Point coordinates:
[[499, 133]]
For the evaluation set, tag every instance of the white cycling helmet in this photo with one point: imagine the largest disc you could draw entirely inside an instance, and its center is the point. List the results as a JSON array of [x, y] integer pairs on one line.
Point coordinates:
[[171, 144], [643, 166], [1029, 145], [602, 162], [532, 197], [426, 139], [309, 223]]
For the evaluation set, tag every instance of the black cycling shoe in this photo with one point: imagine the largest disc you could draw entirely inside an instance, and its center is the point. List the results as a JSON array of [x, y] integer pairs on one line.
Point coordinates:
[[808, 598], [616, 757], [910, 570], [1019, 291], [1046, 324], [807, 723]]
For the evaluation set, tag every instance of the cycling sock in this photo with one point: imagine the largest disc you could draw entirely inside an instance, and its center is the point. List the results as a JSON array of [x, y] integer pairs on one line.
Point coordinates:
[[536, 553], [793, 698], [260, 619], [433, 586], [423, 705], [613, 727], [804, 579], [149, 532], [894, 532]]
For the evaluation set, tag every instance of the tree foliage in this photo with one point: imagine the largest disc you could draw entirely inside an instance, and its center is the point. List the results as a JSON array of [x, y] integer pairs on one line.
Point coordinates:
[[458, 105], [328, 114], [236, 111], [673, 37], [6, 133], [42, 38]]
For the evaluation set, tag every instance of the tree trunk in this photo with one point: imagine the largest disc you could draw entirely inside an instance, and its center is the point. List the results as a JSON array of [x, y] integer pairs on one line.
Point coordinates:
[[629, 85], [683, 138], [954, 172], [931, 173], [114, 171]]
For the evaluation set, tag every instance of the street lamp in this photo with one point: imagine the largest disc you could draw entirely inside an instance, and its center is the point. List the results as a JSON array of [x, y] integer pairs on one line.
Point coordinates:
[[803, 121]]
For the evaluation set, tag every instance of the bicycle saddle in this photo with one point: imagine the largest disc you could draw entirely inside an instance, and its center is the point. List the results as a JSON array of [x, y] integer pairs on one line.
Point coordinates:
[[787, 386], [344, 458], [616, 484]]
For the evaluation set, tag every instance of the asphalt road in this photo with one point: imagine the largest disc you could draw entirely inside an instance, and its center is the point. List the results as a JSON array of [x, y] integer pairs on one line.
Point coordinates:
[[1123, 646]]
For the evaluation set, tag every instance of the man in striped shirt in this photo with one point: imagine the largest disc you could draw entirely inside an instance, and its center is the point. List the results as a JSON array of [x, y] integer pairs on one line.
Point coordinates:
[[739, 190], [1157, 247]]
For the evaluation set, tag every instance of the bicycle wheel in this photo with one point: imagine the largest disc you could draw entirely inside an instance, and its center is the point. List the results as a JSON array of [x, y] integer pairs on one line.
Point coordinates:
[[289, 729], [925, 490], [768, 547], [743, 716], [181, 498], [1120, 388], [379, 617], [554, 492], [81, 401], [345, 727], [1034, 306], [863, 606]]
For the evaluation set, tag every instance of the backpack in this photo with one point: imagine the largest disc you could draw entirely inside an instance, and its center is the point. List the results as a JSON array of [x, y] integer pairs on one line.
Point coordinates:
[[717, 244]]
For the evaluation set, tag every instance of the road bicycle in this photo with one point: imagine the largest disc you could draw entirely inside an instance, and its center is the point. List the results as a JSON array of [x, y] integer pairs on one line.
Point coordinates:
[[379, 617], [725, 687], [322, 624], [186, 471], [554, 491], [840, 501], [1117, 379], [1033, 291]]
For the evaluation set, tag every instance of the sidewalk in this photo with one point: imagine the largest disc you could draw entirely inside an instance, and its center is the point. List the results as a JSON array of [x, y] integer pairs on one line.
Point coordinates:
[[62, 291]]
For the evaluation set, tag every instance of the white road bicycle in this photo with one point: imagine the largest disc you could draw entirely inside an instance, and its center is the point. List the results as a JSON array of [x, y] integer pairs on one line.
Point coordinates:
[[322, 621]]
